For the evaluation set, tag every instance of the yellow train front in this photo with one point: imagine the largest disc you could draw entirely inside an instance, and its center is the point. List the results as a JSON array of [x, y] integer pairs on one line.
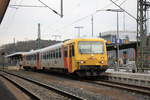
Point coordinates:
[[85, 57]]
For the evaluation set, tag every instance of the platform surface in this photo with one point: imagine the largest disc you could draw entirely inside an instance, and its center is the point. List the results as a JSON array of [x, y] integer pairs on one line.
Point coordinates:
[[141, 76], [5, 94]]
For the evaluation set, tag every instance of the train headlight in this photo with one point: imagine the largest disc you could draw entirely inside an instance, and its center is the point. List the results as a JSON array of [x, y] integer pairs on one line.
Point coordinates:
[[82, 62], [101, 62], [102, 58]]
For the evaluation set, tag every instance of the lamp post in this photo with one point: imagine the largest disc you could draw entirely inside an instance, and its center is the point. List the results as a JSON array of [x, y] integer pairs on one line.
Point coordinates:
[[79, 27], [92, 25], [117, 45]]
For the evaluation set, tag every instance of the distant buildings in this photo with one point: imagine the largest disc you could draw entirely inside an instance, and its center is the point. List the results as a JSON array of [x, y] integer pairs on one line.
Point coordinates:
[[124, 36]]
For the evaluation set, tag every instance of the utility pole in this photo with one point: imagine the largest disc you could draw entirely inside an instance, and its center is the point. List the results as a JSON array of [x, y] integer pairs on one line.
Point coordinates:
[[79, 27], [124, 24], [142, 6], [92, 20], [39, 36], [14, 42], [61, 5], [117, 43]]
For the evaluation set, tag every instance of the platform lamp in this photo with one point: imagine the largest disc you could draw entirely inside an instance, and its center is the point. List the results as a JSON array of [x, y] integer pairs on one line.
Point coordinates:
[[117, 45]]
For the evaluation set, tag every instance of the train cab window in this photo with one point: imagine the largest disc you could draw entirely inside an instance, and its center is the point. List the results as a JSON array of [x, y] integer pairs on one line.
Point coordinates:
[[71, 51]]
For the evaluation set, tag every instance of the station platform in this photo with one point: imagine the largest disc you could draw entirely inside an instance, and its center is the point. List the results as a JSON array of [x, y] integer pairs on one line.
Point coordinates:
[[140, 79], [142, 76], [5, 94]]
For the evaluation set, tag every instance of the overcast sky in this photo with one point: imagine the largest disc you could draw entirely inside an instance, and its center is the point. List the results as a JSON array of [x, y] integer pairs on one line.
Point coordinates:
[[21, 23]]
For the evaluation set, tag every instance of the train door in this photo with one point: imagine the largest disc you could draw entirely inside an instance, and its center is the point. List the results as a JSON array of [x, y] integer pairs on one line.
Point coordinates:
[[65, 50], [38, 61], [71, 57]]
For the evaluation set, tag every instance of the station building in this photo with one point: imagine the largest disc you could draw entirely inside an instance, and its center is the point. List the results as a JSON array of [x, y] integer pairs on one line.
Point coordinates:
[[127, 46]]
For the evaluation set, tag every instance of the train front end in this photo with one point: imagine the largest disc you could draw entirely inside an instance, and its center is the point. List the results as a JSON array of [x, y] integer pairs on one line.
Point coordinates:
[[90, 57]]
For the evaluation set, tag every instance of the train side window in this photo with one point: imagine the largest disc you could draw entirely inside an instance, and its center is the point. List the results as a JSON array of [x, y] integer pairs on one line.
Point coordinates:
[[47, 55], [59, 52], [70, 51], [44, 55], [51, 54], [73, 50], [32, 57], [56, 53], [147, 41], [35, 57], [65, 52]]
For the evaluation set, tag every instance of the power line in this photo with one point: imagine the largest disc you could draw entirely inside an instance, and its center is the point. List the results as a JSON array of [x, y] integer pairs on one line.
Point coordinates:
[[89, 15], [61, 15], [124, 10], [26, 6]]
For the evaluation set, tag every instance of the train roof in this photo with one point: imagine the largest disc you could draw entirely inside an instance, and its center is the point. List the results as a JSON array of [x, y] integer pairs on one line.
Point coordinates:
[[51, 47], [44, 49], [32, 52], [83, 39], [16, 54]]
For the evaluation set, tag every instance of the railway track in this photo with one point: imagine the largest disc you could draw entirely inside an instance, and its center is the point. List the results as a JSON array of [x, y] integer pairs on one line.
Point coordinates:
[[36, 94], [133, 88]]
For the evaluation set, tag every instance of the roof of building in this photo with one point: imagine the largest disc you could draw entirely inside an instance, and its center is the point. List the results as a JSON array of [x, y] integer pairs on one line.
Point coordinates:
[[132, 35], [3, 7]]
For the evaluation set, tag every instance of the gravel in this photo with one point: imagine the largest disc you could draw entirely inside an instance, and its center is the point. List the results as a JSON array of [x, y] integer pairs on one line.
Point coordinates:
[[41, 92], [82, 92]]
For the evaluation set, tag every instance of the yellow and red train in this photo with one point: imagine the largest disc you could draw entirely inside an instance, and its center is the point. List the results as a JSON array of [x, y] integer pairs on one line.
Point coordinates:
[[78, 56]]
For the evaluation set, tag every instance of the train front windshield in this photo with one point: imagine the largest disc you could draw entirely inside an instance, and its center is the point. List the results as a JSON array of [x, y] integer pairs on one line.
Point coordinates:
[[91, 47]]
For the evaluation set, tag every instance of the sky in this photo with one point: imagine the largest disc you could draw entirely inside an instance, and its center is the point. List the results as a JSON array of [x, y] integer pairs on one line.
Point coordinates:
[[21, 23]]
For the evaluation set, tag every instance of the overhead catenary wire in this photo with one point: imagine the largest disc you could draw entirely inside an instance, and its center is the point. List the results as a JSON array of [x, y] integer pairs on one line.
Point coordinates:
[[26, 6], [83, 18], [51, 8], [88, 16], [124, 10]]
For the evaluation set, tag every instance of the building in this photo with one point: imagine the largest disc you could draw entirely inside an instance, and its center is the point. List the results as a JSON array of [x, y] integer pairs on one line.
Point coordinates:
[[124, 36]]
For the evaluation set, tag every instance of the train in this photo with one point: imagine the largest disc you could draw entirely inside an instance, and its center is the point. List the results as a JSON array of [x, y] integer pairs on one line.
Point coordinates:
[[82, 57]]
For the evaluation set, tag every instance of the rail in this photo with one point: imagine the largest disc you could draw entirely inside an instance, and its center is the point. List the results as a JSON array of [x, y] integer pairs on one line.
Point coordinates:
[[56, 90]]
